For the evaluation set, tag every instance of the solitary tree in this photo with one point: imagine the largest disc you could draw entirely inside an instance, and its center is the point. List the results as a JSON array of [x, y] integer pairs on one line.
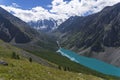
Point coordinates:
[[30, 59], [65, 68], [68, 68], [17, 57], [13, 55], [59, 67]]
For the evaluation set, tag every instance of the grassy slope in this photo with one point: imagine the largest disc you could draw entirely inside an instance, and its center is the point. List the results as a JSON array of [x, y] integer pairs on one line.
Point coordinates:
[[65, 62], [24, 70]]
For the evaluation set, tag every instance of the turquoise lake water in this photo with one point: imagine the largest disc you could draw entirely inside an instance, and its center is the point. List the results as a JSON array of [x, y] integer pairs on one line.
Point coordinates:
[[91, 63]]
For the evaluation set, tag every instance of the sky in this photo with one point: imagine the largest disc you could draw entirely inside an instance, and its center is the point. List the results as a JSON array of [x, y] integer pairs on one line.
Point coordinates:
[[27, 4], [33, 10]]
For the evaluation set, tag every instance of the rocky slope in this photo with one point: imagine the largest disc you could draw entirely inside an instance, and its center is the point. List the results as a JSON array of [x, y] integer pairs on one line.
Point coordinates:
[[96, 35], [12, 28], [19, 33]]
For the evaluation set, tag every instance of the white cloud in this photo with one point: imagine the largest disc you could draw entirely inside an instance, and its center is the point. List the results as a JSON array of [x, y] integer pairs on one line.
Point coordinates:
[[33, 14], [15, 5], [60, 10], [80, 7]]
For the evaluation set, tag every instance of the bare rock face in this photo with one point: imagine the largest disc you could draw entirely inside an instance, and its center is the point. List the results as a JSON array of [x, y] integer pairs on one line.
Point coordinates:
[[98, 32], [9, 32], [44, 25]]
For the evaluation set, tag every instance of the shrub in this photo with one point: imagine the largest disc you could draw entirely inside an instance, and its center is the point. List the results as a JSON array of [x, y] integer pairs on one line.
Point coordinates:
[[15, 56]]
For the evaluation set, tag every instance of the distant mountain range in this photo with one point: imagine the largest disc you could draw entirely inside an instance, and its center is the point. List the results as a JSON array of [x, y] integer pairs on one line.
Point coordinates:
[[46, 25], [96, 35]]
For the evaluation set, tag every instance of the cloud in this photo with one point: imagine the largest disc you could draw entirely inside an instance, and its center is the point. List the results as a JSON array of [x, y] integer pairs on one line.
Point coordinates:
[[60, 9], [80, 7], [15, 5], [33, 14]]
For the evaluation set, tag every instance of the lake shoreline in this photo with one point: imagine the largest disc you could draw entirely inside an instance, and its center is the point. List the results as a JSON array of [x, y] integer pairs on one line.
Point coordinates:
[[91, 63]]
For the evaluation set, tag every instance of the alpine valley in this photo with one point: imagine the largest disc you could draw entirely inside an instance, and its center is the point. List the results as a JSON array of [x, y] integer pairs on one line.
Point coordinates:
[[31, 51]]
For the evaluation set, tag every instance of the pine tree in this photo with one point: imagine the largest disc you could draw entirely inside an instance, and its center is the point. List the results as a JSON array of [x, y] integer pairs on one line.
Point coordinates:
[[68, 68], [59, 67], [15, 56], [30, 59], [65, 68]]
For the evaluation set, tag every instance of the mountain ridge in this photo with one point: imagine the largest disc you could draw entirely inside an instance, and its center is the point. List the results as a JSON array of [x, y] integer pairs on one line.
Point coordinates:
[[45, 25], [92, 35]]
